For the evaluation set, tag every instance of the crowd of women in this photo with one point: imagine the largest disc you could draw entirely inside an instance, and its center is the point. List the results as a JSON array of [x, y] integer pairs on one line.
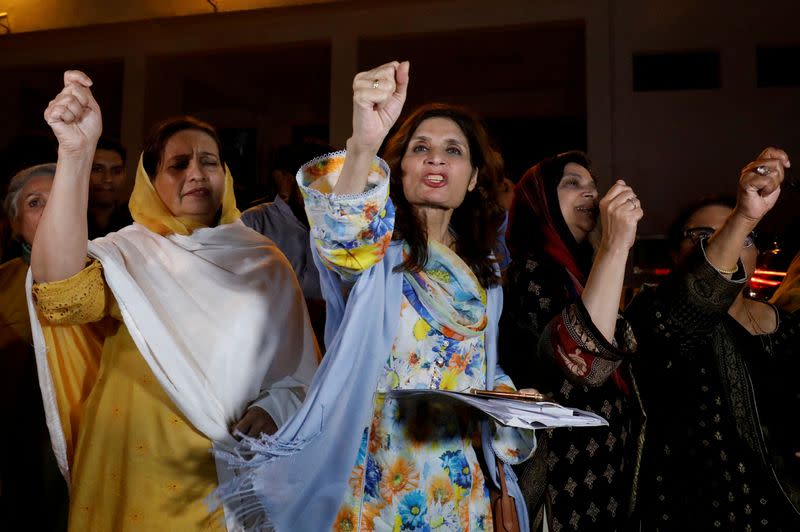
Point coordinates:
[[182, 382]]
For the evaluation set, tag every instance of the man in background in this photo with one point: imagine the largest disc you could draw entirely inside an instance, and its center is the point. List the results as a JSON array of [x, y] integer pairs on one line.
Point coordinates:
[[108, 206], [284, 222]]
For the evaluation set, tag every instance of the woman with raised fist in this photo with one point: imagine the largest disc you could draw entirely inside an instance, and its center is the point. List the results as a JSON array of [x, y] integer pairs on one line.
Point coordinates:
[[412, 286], [159, 341]]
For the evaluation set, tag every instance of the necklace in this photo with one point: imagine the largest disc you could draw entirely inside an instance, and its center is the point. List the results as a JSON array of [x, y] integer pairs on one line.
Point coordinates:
[[763, 336]]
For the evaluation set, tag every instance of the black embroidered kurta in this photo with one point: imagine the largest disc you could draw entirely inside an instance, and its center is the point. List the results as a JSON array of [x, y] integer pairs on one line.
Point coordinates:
[[722, 409], [584, 476]]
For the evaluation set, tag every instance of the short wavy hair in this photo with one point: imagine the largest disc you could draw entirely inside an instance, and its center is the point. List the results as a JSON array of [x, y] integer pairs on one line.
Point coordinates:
[[477, 220], [18, 182]]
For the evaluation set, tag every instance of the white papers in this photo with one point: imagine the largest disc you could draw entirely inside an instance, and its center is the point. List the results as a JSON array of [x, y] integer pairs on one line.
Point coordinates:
[[518, 413]]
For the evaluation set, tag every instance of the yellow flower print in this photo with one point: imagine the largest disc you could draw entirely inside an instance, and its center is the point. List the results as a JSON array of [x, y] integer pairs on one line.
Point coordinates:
[[346, 520], [393, 378], [421, 329], [449, 381], [399, 477], [440, 489]]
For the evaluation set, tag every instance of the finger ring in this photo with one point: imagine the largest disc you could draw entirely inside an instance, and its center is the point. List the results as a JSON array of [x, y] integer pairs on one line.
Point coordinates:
[[376, 83], [763, 170], [632, 200]]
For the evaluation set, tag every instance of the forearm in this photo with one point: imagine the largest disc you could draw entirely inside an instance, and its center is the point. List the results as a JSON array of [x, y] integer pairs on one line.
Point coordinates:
[[356, 169], [60, 244], [725, 245], [601, 295]]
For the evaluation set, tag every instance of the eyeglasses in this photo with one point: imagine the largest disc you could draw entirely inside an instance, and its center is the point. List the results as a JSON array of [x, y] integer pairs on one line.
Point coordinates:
[[696, 234]]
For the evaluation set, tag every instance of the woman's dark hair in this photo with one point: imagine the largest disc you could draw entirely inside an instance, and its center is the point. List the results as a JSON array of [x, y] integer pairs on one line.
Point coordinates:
[[553, 167], [476, 221], [676, 228], [156, 141]]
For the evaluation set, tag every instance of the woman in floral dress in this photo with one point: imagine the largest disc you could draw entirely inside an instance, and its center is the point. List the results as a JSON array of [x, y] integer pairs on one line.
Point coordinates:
[[421, 311]]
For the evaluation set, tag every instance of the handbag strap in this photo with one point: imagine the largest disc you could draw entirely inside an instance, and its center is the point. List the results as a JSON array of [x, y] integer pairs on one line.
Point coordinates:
[[502, 474], [506, 501]]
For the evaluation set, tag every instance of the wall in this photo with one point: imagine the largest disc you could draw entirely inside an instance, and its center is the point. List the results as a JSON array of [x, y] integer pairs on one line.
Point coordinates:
[[673, 146], [142, 46]]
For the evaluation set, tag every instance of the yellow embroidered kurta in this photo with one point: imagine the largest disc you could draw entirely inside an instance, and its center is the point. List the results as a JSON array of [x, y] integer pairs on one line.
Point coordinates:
[[136, 464]]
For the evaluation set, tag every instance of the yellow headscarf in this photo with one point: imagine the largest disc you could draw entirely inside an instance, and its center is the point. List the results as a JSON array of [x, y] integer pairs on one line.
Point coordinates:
[[788, 295], [148, 209]]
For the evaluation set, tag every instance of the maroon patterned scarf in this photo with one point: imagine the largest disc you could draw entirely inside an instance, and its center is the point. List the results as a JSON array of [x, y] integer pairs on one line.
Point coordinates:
[[536, 222]]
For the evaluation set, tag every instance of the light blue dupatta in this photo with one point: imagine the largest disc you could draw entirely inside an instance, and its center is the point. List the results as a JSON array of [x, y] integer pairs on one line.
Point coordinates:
[[494, 308], [296, 480]]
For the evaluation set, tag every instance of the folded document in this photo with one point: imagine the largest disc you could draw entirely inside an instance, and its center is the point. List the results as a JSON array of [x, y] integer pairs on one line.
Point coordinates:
[[522, 413]]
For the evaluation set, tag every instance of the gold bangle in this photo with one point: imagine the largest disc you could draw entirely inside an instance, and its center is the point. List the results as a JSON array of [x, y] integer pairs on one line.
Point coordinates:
[[727, 272]]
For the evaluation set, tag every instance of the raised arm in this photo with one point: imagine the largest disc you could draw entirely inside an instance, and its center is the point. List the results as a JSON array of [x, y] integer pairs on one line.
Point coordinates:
[[701, 290], [620, 213], [60, 244], [378, 98], [759, 189]]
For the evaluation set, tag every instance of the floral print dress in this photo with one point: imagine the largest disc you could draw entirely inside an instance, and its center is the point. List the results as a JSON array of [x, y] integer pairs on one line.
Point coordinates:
[[417, 468]]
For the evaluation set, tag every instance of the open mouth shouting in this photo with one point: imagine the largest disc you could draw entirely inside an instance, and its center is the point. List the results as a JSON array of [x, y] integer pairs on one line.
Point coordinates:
[[435, 180]]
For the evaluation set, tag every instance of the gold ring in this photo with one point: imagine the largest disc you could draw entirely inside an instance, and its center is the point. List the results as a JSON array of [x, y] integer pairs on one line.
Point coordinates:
[[376, 83]]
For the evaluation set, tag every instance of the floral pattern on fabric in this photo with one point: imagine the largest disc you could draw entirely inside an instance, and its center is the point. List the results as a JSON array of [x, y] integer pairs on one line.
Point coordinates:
[[351, 232], [417, 468]]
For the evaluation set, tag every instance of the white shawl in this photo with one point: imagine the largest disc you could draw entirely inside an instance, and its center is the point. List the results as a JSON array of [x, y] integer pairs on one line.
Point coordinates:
[[217, 315]]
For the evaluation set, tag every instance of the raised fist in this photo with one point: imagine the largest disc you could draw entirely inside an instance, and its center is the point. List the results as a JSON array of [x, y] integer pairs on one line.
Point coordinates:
[[620, 212], [74, 115], [760, 184], [378, 97]]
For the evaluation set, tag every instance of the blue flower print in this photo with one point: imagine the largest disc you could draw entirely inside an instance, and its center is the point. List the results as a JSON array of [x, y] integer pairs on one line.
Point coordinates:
[[457, 467], [444, 350], [373, 478], [412, 511], [380, 225], [475, 366]]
